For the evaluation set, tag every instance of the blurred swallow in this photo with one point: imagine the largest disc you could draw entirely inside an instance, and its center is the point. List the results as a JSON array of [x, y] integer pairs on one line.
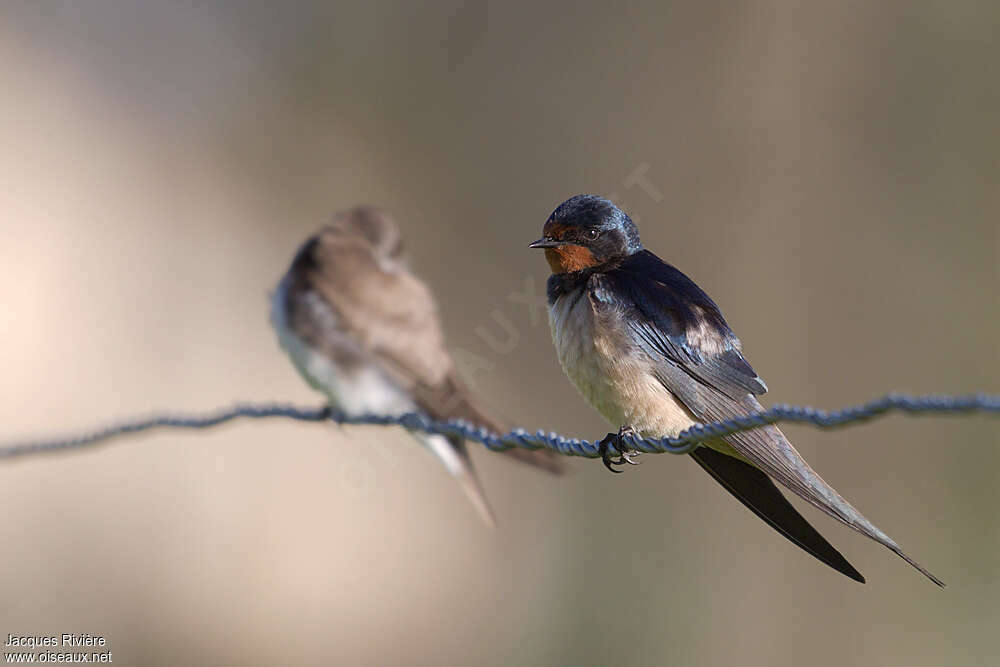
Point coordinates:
[[652, 352], [364, 331]]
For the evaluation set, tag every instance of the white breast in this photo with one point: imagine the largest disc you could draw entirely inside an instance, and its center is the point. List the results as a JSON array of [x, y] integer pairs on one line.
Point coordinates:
[[358, 390], [611, 372], [572, 320]]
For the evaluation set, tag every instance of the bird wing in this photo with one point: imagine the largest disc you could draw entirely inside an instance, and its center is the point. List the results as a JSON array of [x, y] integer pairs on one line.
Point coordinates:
[[756, 490], [392, 318], [698, 358]]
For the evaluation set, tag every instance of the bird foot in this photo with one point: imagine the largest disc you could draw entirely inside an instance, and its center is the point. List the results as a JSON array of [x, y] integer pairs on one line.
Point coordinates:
[[625, 454]]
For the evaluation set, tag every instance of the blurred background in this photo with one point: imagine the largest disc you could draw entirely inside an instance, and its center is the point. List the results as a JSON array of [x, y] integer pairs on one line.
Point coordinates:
[[828, 174]]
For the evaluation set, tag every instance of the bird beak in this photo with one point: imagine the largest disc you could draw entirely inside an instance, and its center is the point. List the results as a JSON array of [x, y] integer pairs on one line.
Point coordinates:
[[546, 242]]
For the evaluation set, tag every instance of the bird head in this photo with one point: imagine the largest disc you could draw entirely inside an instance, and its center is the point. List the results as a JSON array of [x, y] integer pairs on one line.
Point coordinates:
[[372, 226], [587, 232]]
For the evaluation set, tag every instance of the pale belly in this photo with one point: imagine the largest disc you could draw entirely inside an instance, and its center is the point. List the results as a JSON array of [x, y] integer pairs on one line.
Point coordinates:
[[357, 391], [611, 372]]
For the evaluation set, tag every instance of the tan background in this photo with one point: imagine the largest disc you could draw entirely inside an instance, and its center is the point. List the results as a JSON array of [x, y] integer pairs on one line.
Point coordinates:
[[830, 176]]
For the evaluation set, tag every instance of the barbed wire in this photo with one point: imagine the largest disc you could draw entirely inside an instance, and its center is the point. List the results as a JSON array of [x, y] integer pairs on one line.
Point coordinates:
[[682, 444]]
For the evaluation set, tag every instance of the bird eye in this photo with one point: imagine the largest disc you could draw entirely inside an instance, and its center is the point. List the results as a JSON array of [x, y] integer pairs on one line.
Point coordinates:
[[592, 234]]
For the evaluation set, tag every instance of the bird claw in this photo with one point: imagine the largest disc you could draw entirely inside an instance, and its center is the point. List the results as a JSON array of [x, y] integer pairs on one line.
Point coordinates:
[[630, 457], [624, 455]]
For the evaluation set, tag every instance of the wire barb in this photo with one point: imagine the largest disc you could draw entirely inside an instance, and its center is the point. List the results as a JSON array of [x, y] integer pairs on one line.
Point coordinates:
[[682, 444]]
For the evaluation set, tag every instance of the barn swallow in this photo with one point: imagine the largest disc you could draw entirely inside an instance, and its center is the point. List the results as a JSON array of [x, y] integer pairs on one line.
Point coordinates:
[[653, 354], [362, 329]]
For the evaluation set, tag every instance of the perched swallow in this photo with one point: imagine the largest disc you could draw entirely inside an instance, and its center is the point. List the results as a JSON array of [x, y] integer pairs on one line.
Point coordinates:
[[364, 331], [652, 352]]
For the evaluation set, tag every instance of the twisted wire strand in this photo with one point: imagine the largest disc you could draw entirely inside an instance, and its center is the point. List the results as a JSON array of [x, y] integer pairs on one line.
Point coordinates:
[[682, 444]]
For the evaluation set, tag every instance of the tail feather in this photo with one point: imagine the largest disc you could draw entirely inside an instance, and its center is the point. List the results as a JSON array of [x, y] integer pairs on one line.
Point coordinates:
[[920, 568], [452, 399], [474, 492], [756, 490], [452, 453], [767, 449]]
